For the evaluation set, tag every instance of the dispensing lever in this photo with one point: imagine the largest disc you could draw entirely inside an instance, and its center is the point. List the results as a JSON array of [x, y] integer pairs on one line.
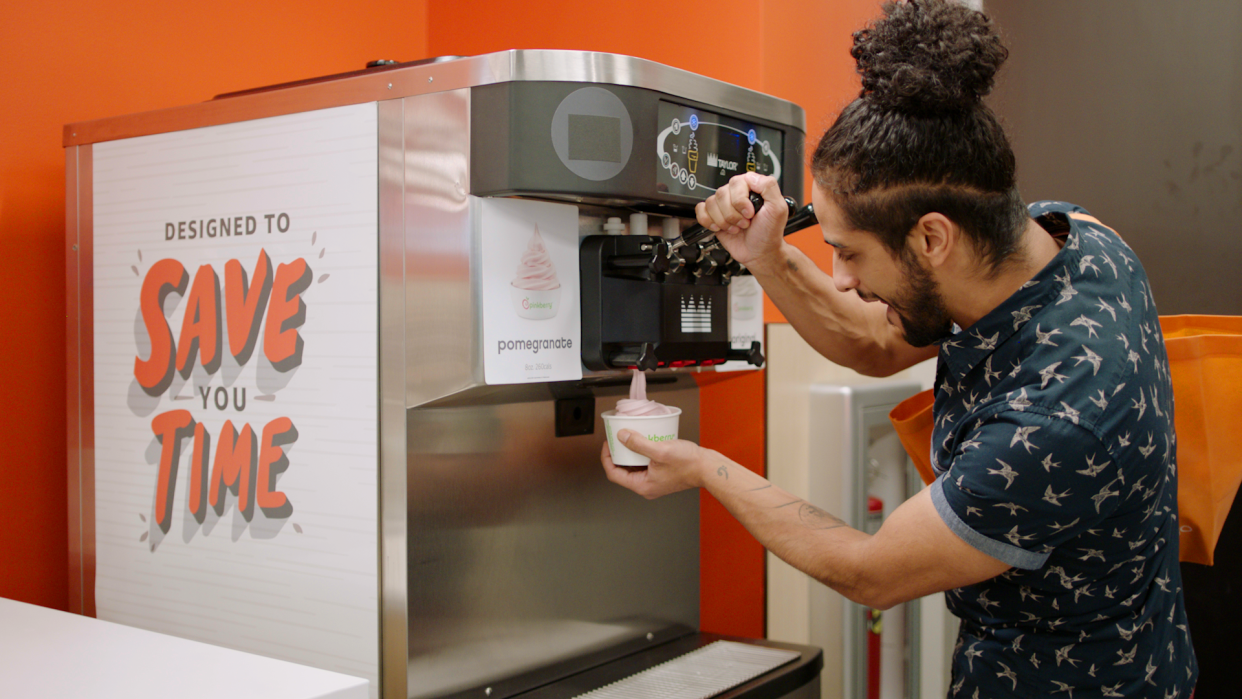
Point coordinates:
[[698, 232], [801, 218], [798, 220], [753, 355], [642, 357]]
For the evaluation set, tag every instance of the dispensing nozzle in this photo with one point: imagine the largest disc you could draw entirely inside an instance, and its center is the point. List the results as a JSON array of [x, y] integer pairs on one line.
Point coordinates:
[[752, 356], [642, 357]]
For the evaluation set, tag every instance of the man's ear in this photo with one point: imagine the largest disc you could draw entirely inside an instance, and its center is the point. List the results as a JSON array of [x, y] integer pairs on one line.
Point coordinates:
[[934, 239]]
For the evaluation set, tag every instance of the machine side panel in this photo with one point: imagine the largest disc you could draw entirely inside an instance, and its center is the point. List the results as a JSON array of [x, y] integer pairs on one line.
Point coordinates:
[[79, 375], [442, 332], [235, 373], [393, 583]]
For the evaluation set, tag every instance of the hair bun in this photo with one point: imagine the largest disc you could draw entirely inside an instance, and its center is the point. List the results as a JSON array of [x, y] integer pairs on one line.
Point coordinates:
[[928, 56]]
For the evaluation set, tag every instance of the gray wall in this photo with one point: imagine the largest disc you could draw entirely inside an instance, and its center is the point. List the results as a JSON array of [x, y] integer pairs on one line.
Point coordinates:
[[1133, 110]]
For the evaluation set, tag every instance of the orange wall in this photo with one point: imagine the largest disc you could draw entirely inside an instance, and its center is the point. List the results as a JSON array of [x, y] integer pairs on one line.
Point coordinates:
[[794, 49], [78, 60]]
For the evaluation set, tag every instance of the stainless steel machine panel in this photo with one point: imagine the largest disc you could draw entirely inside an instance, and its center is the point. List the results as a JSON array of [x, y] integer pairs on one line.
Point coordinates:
[[525, 564], [441, 329]]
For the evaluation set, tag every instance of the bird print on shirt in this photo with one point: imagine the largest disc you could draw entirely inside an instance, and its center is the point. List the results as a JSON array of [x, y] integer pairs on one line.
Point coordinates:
[[1092, 358], [1054, 498], [1049, 464], [1020, 402], [1070, 474], [1049, 373], [1068, 412], [1103, 305], [1067, 288], [1022, 436], [1093, 469], [1022, 315], [1058, 527], [1087, 264], [1109, 261], [1006, 472], [1045, 338], [1008, 674], [987, 343], [1088, 323], [1063, 654], [988, 374], [1015, 538], [971, 653], [1104, 494], [1101, 402], [1151, 446]]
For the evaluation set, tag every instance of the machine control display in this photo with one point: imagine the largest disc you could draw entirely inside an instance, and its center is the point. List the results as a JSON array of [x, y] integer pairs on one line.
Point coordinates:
[[699, 151]]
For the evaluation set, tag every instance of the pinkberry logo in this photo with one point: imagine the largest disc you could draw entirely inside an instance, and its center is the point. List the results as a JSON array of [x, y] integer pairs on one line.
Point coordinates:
[[527, 304]]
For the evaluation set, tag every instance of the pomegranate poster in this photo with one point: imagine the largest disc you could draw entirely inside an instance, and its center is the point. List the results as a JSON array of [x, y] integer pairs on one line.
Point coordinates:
[[532, 317], [235, 347]]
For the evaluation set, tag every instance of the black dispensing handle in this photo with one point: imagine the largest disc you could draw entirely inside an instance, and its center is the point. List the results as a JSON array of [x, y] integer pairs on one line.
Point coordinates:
[[673, 255], [798, 219], [642, 357], [753, 356], [697, 232], [802, 218]]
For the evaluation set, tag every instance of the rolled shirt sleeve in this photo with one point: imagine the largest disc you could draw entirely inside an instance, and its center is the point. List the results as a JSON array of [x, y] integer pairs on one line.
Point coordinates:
[[1022, 483]]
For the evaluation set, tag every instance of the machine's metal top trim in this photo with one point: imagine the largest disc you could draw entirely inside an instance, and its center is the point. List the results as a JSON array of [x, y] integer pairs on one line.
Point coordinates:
[[616, 69], [423, 77]]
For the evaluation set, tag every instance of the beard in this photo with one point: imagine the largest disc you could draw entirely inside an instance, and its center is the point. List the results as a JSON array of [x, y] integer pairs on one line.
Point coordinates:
[[924, 318]]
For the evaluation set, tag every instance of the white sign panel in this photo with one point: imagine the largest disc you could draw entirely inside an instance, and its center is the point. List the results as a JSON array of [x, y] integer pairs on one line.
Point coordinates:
[[236, 386], [745, 319], [532, 322]]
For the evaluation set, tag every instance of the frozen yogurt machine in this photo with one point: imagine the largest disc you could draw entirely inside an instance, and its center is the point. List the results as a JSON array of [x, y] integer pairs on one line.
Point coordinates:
[[338, 350]]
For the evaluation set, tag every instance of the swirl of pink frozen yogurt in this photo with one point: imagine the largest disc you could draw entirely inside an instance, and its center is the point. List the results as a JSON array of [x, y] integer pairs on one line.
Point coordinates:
[[535, 272], [637, 404]]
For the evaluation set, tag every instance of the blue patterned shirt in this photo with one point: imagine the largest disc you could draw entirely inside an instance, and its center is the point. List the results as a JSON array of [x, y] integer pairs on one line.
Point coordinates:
[[1056, 454]]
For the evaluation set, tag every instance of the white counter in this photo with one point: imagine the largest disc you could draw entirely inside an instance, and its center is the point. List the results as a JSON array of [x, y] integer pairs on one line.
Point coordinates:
[[53, 654]]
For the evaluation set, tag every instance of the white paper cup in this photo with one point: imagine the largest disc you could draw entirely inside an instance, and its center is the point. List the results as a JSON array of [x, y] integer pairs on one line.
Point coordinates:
[[535, 304], [657, 428]]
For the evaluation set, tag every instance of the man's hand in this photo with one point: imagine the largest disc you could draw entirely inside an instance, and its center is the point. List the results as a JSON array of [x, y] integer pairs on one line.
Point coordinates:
[[675, 466], [749, 237]]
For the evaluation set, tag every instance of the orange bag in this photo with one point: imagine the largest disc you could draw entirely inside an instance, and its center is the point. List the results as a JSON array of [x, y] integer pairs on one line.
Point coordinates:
[[1205, 361], [913, 420]]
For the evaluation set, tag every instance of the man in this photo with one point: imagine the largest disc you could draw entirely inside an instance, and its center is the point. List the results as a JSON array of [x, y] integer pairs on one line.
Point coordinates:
[[1052, 524]]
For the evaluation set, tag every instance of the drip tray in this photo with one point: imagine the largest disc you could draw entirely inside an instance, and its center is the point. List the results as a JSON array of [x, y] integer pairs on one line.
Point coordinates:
[[698, 674], [698, 666]]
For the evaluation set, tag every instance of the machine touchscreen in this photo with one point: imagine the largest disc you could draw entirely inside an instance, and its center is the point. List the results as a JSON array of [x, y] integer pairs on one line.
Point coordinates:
[[699, 151]]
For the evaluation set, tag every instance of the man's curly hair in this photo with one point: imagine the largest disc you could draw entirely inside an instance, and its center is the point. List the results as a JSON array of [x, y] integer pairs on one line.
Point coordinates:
[[919, 138]]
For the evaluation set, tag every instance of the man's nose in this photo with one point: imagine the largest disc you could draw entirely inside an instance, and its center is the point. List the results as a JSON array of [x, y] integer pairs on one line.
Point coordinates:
[[842, 277]]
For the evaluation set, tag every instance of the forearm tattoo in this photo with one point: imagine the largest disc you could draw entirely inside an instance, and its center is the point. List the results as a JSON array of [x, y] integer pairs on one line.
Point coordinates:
[[723, 471], [816, 518]]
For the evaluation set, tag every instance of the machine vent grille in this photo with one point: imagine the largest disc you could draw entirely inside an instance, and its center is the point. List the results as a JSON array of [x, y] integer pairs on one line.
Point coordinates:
[[696, 315], [703, 673]]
